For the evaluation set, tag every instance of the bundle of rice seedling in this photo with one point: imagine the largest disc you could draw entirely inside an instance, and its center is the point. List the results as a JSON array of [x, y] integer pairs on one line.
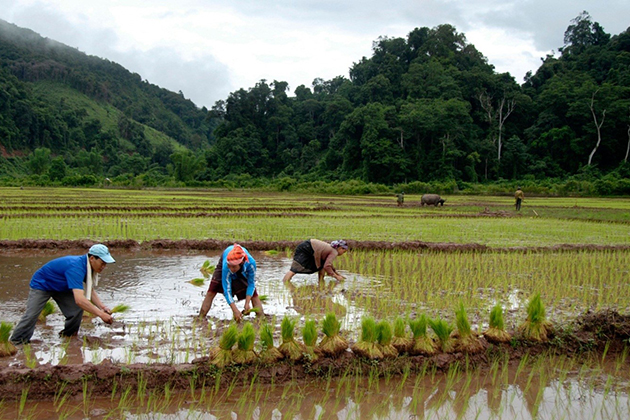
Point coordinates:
[[384, 336], [496, 331], [536, 326], [289, 347], [269, 353], [223, 356], [443, 330], [366, 346], [309, 336], [6, 347], [197, 282], [206, 269], [332, 344], [401, 341], [422, 343], [466, 342], [251, 311], [244, 352], [49, 308], [120, 308]]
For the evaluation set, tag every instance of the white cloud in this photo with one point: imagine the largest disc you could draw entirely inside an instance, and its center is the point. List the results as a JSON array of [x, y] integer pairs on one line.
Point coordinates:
[[209, 48]]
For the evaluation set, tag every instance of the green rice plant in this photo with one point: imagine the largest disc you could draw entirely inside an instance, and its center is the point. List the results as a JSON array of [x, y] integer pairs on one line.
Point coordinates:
[[290, 348], [401, 340], [443, 330], [263, 298], [422, 343], [49, 308], [309, 337], [466, 341], [206, 268], [120, 308], [496, 330], [223, 355], [384, 335], [536, 327], [268, 353], [244, 352], [333, 344], [366, 346], [197, 281], [6, 347]]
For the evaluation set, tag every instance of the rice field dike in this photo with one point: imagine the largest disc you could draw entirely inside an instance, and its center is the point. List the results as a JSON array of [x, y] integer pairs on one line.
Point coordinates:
[[467, 310]]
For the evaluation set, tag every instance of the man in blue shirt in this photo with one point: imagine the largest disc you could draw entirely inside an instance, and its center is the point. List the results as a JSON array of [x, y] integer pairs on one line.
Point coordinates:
[[62, 279], [235, 275]]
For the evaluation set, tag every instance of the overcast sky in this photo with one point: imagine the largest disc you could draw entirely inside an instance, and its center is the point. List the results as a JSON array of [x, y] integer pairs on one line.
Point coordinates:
[[209, 48]]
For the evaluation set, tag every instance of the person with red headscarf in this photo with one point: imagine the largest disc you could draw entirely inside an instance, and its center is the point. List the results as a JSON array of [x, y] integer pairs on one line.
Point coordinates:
[[235, 275]]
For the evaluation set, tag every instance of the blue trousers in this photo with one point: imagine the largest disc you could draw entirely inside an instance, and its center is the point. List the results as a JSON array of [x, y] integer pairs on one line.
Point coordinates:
[[34, 305]]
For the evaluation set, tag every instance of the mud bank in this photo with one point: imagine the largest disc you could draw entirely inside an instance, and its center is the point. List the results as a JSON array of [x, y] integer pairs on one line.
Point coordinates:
[[214, 245], [592, 334]]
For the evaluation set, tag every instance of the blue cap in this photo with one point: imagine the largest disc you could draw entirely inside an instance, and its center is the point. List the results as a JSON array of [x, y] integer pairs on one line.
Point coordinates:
[[101, 251]]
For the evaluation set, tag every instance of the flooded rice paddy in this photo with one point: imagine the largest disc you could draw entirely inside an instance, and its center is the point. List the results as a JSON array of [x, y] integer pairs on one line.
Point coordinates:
[[161, 327]]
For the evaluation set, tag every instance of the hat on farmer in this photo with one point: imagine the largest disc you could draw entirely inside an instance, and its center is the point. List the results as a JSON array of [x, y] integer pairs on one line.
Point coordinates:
[[101, 251], [236, 255], [339, 244]]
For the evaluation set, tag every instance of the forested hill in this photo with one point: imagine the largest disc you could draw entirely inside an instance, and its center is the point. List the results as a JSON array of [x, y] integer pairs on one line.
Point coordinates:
[[56, 97], [426, 107]]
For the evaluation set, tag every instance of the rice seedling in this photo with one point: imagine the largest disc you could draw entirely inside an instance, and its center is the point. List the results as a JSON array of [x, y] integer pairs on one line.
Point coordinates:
[[120, 308], [496, 330], [223, 355], [199, 281], [333, 344], [309, 337], [206, 269], [244, 352], [536, 327], [6, 347], [401, 340], [268, 353], [466, 341], [443, 330], [384, 335], [290, 348], [49, 308], [422, 343], [366, 346]]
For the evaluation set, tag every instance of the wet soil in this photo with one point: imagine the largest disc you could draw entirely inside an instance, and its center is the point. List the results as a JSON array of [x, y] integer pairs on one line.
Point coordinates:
[[605, 332], [214, 245]]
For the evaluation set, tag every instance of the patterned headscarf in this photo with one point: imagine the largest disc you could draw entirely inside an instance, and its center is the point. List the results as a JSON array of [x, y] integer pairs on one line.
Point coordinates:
[[340, 243], [236, 256]]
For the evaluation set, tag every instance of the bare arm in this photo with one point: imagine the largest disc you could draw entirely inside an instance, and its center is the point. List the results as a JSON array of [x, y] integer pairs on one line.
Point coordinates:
[[86, 305], [99, 304]]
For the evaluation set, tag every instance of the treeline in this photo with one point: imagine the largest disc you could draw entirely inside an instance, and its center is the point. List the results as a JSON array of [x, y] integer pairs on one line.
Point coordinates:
[[427, 109]]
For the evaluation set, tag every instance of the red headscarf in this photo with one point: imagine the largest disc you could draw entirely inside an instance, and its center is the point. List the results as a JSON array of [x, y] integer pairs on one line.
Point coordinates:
[[237, 255]]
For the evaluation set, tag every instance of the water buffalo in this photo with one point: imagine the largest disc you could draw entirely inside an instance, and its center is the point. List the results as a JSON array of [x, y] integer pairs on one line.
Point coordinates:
[[432, 199]]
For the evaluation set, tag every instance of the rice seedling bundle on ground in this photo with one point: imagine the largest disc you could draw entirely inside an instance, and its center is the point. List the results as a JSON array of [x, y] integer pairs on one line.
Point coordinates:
[[422, 343], [223, 355], [289, 347], [384, 336], [536, 327], [401, 340], [120, 308], [197, 281], [366, 346], [443, 330], [496, 330], [466, 341], [244, 352], [49, 308], [309, 336], [268, 353], [333, 344], [6, 347], [206, 269]]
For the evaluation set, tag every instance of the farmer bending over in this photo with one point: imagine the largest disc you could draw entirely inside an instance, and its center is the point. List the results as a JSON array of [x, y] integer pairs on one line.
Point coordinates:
[[315, 256], [235, 274], [62, 279]]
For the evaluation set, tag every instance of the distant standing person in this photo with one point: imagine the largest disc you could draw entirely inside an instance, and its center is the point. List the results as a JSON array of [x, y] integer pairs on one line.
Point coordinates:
[[315, 256], [235, 274], [400, 199], [62, 279], [519, 196]]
